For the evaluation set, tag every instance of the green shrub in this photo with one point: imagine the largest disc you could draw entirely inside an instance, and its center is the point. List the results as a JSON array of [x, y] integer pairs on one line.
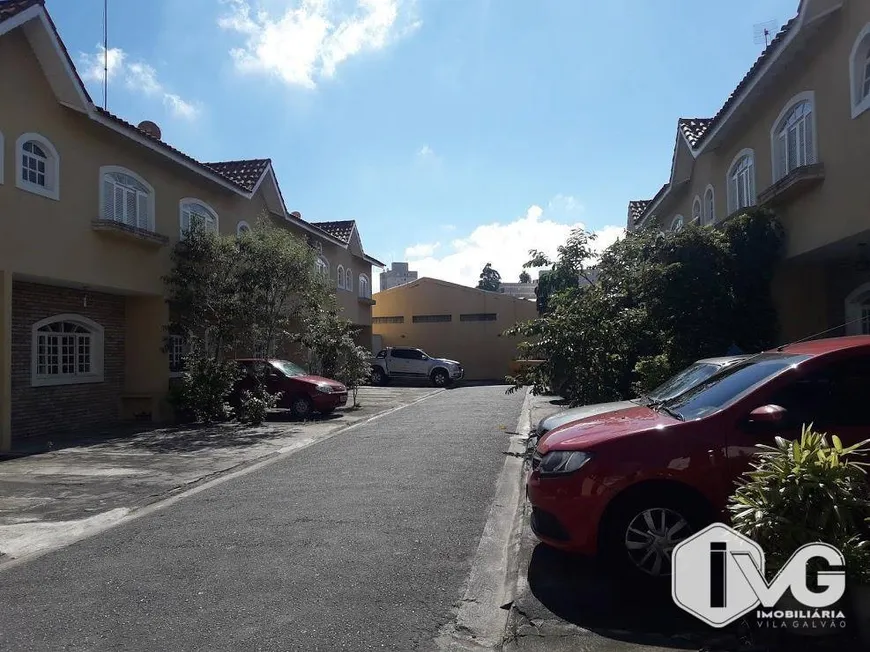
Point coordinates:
[[804, 491], [255, 404], [202, 393]]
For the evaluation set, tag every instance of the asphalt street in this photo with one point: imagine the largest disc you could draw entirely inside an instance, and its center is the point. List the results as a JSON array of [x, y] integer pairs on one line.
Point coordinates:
[[359, 542]]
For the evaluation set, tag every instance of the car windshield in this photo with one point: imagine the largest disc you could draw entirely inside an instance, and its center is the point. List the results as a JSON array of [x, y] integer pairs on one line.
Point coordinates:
[[724, 387], [288, 368], [687, 378]]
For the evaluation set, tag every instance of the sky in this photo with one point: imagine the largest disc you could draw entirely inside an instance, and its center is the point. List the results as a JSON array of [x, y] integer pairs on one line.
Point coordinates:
[[455, 132]]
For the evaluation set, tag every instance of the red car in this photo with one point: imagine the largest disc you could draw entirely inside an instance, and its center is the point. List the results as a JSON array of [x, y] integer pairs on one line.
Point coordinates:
[[630, 485], [301, 392]]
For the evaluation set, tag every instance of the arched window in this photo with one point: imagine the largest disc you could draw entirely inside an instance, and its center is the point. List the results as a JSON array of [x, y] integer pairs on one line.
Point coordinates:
[[126, 197], [677, 223], [709, 206], [859, 72], [321, 264], [741, 181], [66, 349], [340, 275], [348, 280], [242, 227], [793, 138], [696, 210], [858, 311], [196, 213], [365, 289], [38, 166]]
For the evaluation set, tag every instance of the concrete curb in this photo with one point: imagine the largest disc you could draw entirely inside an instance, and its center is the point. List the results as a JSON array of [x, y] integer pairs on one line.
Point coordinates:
[[66, 533], [482, 617]]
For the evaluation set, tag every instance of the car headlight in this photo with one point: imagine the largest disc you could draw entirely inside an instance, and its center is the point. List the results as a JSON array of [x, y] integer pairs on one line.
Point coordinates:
[[562, 462], [326, 389]]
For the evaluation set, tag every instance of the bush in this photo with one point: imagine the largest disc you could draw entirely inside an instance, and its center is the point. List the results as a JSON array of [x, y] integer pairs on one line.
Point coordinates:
[[804, 491], [255, 404], [204, 388]]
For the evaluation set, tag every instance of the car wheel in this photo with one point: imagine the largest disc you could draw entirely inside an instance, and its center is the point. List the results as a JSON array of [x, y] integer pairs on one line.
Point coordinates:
[[640, 535], [440, 378], [300, 407], [378, 376]]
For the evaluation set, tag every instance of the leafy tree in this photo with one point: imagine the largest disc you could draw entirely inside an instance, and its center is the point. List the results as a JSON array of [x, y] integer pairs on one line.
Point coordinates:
[[490, 279], [659, 303], [525, 277], [325, 334], [567, 271], [354, 366]]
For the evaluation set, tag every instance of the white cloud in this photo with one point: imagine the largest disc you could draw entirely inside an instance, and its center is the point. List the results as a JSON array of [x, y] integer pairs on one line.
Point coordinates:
[[506, 246], [98, 64], [565, 204], [425, 152], [421, 250], [138, 76], [311, 38]]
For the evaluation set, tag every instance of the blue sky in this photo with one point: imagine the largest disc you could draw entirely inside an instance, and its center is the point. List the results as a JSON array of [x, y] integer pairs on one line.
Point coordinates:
[[456, 132]]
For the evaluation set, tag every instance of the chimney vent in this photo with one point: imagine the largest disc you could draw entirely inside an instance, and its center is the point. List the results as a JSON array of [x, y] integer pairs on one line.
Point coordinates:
[[151, 129], [296, 214]]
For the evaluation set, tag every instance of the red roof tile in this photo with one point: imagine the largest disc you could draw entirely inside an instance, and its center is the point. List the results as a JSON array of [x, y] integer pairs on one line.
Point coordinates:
[[340, 230], [636, 209], [9, 8], [243, 173]]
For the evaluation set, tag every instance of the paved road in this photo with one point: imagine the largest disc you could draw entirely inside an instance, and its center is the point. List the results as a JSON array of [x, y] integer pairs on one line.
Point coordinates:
[[359, 542]]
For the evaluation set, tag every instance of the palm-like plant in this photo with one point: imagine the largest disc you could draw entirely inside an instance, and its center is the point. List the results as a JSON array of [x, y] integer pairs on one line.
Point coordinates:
[[804, 491]]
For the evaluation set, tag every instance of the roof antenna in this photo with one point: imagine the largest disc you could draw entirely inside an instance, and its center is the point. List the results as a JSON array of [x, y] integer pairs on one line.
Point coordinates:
[[105, 55], [764, 32]]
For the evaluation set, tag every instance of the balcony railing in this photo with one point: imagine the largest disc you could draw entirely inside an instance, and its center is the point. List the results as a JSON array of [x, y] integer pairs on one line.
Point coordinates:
[[111, 227], [792, 185]]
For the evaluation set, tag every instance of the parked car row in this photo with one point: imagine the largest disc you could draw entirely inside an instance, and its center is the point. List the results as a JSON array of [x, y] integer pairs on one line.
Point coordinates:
[[629, 481]]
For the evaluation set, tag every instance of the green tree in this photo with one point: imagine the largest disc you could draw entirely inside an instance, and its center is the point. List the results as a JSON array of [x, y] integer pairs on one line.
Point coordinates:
[[568, 271], [659, 303], [490, 279], [525, 277]]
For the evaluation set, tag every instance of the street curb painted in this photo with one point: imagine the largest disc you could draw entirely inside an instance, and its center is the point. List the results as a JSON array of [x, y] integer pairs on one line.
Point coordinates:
[[74, 531], [482, 617]]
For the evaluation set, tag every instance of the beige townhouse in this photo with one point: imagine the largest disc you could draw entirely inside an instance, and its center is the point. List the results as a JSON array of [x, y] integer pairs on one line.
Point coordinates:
[[794, 136], [90, 207]]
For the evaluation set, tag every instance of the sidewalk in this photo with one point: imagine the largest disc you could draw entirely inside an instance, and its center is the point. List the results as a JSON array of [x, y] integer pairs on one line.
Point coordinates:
[[565, 602], [84, 484]]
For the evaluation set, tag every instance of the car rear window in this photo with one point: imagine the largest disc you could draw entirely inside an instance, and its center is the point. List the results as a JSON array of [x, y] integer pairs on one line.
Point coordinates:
[[726, 386]]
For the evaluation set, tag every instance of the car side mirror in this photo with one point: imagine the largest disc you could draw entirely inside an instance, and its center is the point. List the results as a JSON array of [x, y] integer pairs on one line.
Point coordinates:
[[768, 415]]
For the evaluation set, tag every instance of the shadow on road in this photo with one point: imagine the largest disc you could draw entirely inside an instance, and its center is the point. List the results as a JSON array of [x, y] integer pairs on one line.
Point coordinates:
[[578, 590]]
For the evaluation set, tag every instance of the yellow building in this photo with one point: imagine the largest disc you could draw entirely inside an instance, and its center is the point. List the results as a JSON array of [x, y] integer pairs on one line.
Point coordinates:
[[794, 136], [452, 321], [90, 206]]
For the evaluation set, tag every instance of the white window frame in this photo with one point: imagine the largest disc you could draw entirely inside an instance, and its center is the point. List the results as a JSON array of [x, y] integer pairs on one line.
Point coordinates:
[[110, 169], [51, 190], [242, 226], [674, 227], [176, 347], [182, 231], [97, 344], [348, 279], [810, 154], [856, 302], [734, 198], [340, 274], [859, 64], [709, 208], [321, 264], [364, 287], [697, 210]]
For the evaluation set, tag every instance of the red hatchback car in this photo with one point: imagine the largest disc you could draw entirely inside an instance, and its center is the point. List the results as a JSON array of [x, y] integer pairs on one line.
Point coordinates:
[[632, 484], [301, 392]]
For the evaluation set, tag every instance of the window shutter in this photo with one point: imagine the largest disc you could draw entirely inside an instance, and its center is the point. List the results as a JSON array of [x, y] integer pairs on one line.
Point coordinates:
[[185, 220], [732, 194], [119, 204], [779, 157], [142, 212], [810, 138], [130, 207], [108, 207]]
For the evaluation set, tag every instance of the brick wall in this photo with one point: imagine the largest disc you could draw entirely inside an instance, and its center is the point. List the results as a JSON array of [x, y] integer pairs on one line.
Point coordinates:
[[55, 409]]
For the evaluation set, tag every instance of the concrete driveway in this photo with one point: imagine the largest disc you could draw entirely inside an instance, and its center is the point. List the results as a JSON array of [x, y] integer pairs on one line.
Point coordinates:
[[89, 481]]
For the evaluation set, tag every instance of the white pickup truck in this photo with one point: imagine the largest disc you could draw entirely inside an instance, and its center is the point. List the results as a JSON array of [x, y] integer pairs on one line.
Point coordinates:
[[403, 362]]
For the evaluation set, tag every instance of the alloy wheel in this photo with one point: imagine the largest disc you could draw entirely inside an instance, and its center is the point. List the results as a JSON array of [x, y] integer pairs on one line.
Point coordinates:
[[651, 537], [300, 407]]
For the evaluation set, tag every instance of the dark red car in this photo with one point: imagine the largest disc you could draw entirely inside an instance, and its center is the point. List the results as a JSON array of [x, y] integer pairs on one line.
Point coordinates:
[[301, 392], [632, 484]]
